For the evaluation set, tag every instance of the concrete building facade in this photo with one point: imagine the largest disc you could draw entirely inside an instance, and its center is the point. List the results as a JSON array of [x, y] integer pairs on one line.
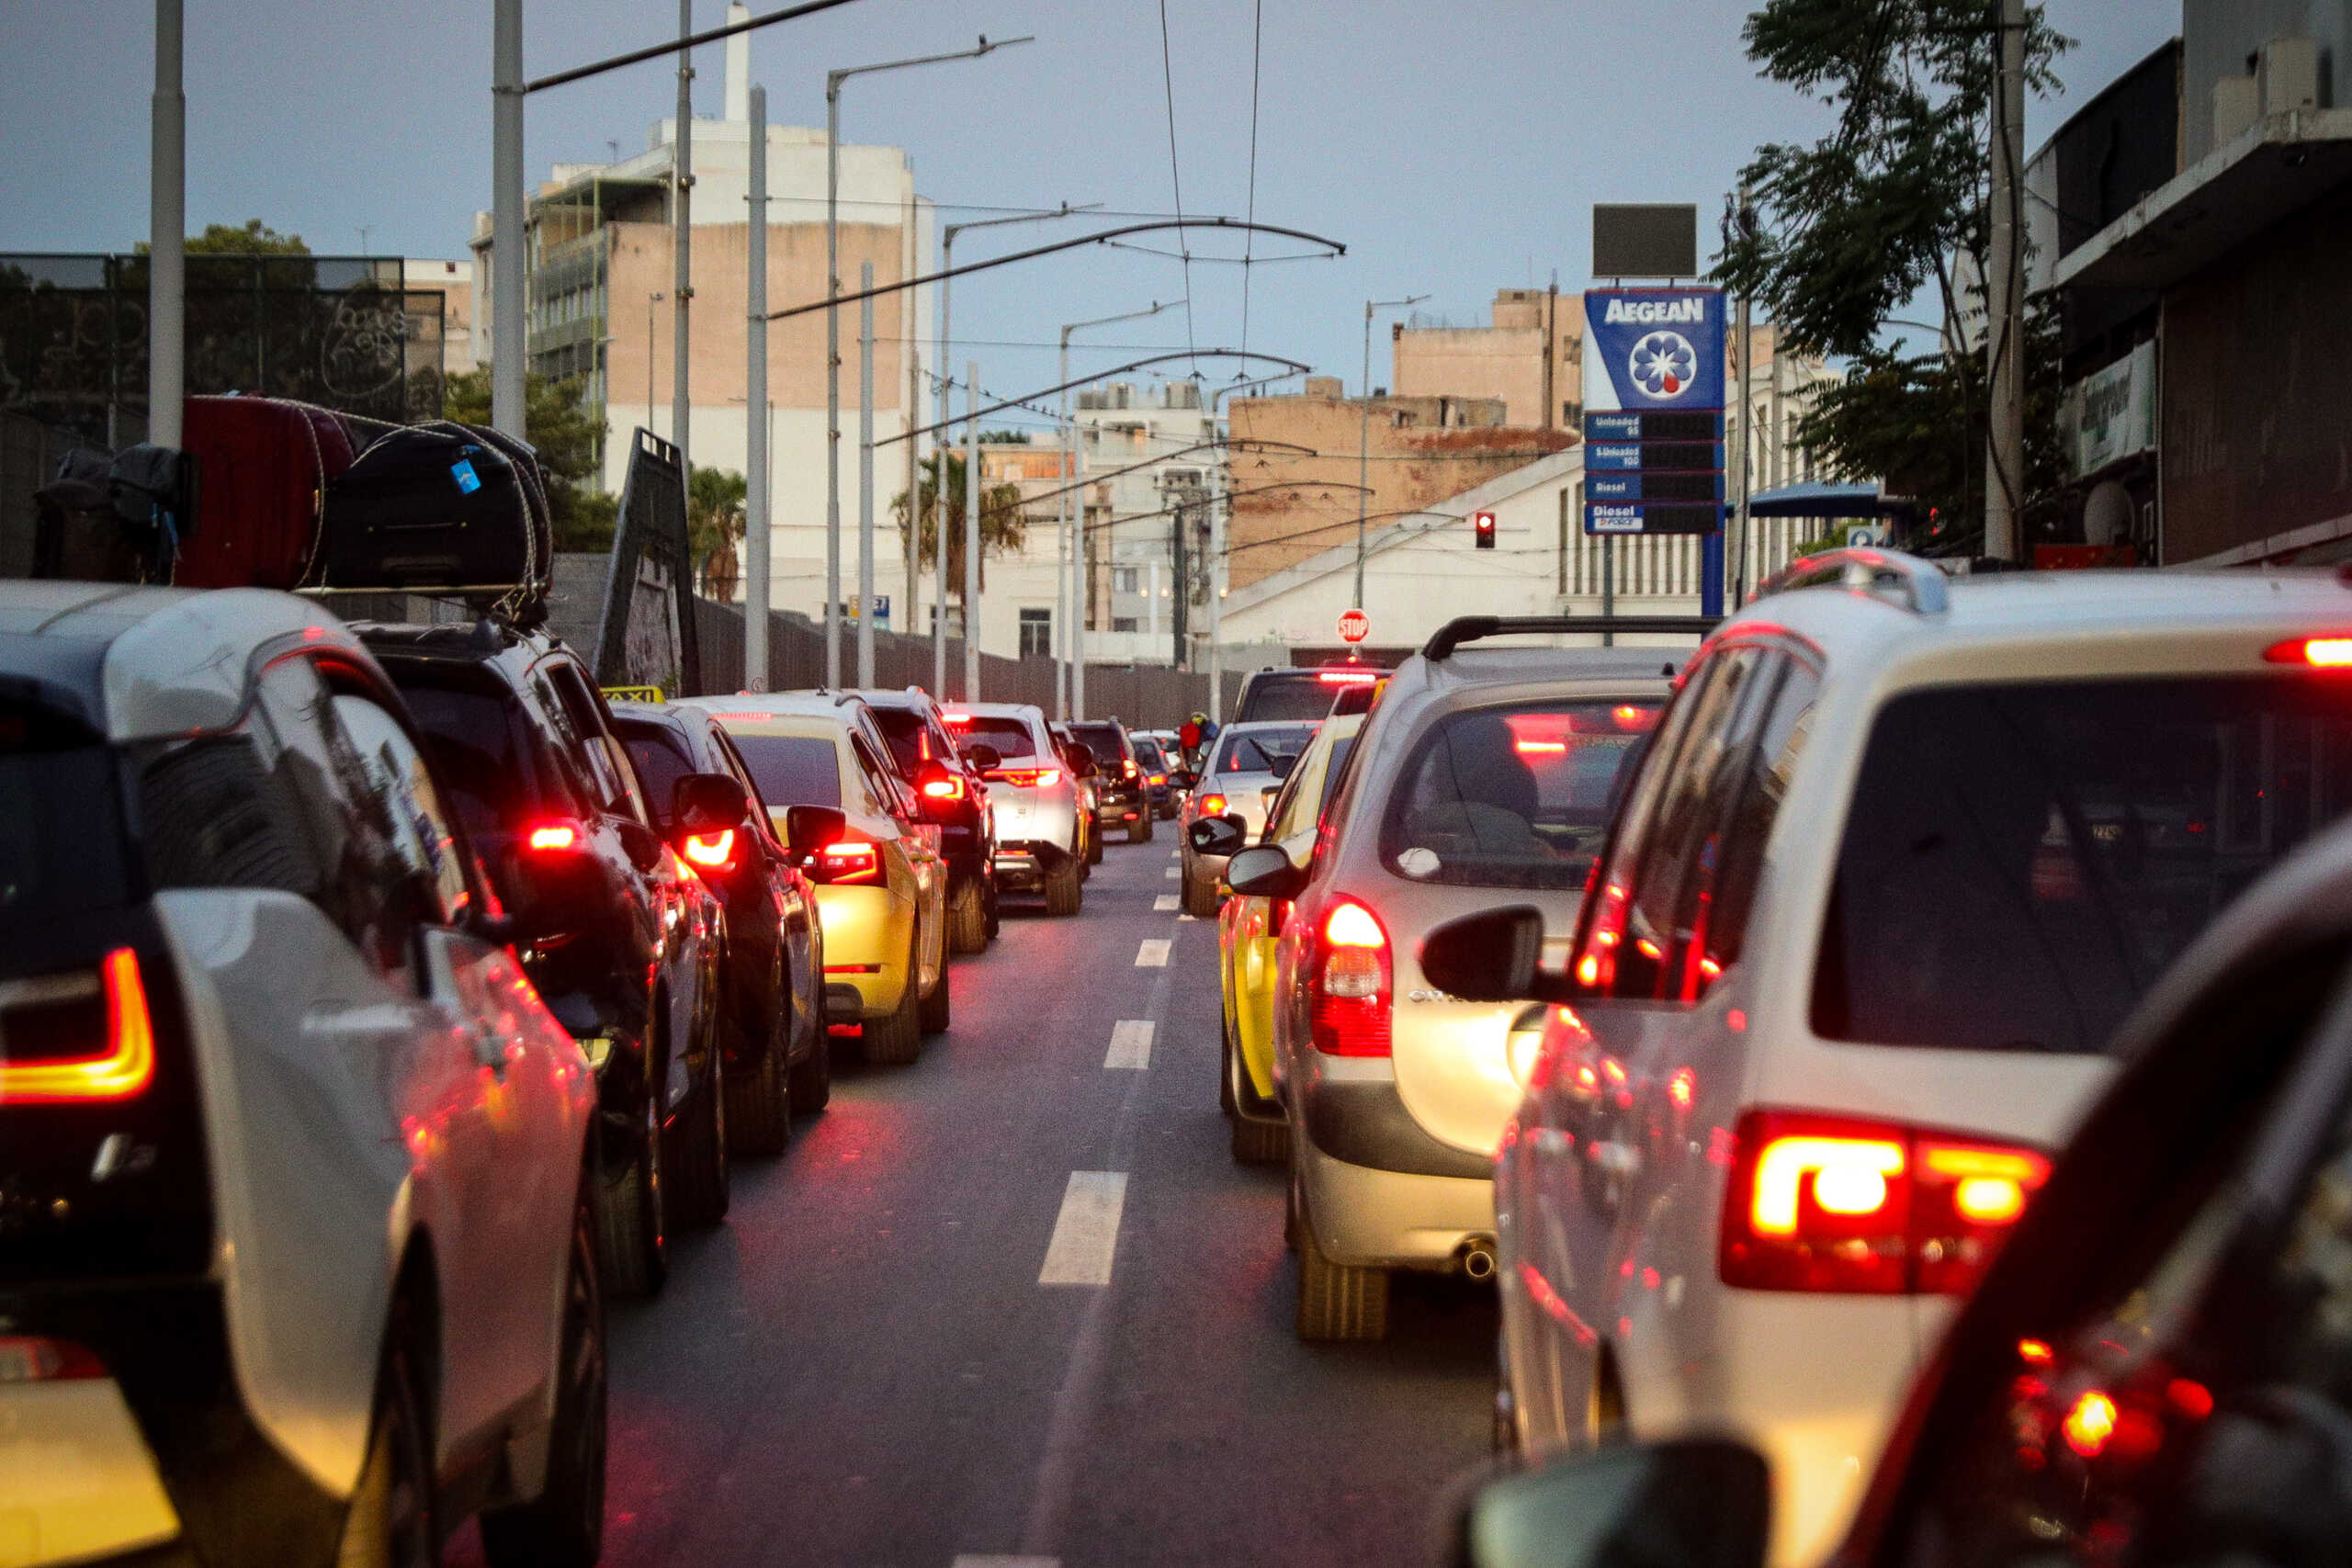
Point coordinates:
[[1531, 359]]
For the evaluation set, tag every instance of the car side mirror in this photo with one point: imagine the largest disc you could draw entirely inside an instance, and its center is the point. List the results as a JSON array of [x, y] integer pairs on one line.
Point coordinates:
[[1264, 872], [1701, 1503], [1283, 766], [807, 828], [1487, 957], [704, 803], [640, 843], [1217, 835], [983, 756]]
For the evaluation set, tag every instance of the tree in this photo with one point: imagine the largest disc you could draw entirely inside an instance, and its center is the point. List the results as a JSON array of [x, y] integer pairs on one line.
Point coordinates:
[[1001, 524], [714, 528], [567, 436], [256, 238], [1853, 226]]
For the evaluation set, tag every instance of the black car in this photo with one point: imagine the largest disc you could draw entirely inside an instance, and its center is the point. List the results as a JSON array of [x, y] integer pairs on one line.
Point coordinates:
[[523, 739], [2157, 1367], [954, 798], [1122, 799], [774, 990], [1156, 768]]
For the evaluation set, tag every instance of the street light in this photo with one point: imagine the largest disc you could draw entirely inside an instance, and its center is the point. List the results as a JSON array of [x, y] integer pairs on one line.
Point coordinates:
[[650, 300], [1364, 439], [1216, 555], [833, 80], [1072, 692]]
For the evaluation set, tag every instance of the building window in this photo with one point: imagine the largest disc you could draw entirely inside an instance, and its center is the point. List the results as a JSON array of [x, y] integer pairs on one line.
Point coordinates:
[[1036, 632], [1123, 579], [1122, 623]]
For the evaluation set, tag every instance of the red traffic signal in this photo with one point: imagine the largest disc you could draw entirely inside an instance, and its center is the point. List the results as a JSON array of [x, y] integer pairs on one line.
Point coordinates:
[[1482, 526]]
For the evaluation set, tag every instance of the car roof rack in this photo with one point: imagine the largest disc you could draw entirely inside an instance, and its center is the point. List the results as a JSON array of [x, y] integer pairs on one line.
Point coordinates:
[[1476, 628], [1860, 569]]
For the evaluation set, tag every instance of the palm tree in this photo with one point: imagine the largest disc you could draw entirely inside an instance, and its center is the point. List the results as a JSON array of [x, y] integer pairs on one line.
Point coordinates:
[[1001, 524]]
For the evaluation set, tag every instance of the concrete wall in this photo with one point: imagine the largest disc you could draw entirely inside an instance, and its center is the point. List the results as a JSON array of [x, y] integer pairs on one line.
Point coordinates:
[[2219, 35], [1504, 360]]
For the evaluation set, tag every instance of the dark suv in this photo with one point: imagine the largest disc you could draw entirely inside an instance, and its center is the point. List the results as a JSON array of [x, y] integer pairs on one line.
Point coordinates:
[[522, 738], [777, 1061], [1122, 799], [954, 798]]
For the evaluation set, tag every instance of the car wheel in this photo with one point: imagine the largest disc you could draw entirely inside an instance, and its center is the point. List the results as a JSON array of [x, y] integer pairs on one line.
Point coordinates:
[[968, 919], [996, 919], [1338, 1301], [1064, 893], [1200, 896], [897, 1039], [1260, 1143], [636, 1243], [759, 1101], [702, 1188], [563, 1527], [1140, 830], [391, 1521], [937, 1005], [1094, 845]]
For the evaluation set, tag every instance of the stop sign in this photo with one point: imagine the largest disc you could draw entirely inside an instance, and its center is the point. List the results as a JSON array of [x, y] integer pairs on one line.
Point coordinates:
[[1354, 625]]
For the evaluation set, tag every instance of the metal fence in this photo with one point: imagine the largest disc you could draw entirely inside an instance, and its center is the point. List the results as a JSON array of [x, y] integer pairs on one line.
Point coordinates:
[[30, 452]]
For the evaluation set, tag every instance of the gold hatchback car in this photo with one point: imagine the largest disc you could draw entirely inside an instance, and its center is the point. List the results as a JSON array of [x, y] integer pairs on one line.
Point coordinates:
[[881, 884]]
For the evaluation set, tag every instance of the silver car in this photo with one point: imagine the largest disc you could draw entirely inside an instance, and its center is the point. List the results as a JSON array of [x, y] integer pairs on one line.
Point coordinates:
[[1040, 843], [1247, 764], [1481, 777]]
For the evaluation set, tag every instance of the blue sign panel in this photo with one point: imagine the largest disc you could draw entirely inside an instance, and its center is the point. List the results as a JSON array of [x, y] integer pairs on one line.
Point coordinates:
[[1653, 486], [1680, 456], [1653, 517], [1699, 425], [1663, 347]]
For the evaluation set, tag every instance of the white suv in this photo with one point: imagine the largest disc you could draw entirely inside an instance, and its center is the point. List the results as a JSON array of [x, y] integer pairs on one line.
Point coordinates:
[[1040, 841], [1901, 857], [298, 1255]]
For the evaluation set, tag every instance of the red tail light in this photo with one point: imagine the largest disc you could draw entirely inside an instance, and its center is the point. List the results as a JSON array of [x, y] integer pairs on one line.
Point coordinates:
[[1128, 767], [1596, 965], [553, 835], [1028, 778], [26, 1359], [1213, 805], [1159, 778], [1833, 1203], [2320, 652], [948, 786], [713, 850], [50, 1058], [1350, 984], [846, 860]]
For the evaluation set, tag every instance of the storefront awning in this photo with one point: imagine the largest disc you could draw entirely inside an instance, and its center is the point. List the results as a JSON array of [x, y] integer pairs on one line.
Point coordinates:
[[1827, 501]]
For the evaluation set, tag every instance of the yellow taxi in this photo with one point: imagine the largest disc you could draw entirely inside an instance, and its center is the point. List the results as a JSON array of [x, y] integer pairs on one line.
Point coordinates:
[[881, 881], [1247, 931]]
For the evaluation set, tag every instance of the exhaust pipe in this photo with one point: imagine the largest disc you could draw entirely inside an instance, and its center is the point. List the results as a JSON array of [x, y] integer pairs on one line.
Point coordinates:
[[1478, 1258]]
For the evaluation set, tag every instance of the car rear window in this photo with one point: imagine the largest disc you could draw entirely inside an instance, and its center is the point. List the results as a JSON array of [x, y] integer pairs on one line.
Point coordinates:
[[1011, 736], [1511, 797], [792, 769], [484, 752], [2021, 861], [1102, 739], [1286, 694], [907, 736], [661, 761], [1257, 751], [1147, 756], [62, 844]]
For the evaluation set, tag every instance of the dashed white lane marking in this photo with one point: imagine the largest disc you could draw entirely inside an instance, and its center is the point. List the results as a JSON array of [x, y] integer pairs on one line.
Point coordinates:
[[1175, 854], [1173, 873], [995, 1560], [1153, 953], [1164, 904], [1086, 1233], [1130, 1044]]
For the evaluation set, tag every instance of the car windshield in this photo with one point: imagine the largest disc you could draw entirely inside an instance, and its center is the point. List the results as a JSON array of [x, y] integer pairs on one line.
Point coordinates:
[[2021, 861], [1286, 694], [482, 751], [62, 846], [792, 769], [1011, 736], [1258, 750], [1514, 797]]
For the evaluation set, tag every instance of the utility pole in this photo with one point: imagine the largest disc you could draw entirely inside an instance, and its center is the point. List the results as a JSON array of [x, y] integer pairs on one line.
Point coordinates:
[[866, 480], [168, 222], [1363, 441], [683, 288], [1071, 690], [971, 530], [913, 625], [1178, 521], [2005, 293], [755, 413]]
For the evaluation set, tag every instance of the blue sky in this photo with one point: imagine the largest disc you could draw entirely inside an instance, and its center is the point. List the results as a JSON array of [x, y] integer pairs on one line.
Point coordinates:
[[1455, 147]]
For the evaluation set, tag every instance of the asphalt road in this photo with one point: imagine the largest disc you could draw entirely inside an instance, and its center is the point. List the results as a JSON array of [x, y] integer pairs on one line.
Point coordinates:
[[868, 1364]]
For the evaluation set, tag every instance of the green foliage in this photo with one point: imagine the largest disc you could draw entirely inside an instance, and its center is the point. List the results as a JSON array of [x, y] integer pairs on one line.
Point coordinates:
[[256, 238], [715, 526], [1002, 526], [566, 434], [1004, 437]]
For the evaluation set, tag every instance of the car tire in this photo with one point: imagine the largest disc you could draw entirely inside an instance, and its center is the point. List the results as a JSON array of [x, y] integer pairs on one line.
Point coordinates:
[[936, 1006], [968, 919], [1200, 896], [1260, 1143], [1338, 1301], [812, 1077], [996, 914], [759, 1097], [1225, 1100], [896, 1040], [703, 1186], [1064, 893], [1094, 845], [391, 1522], [1290, 1218], [563, 1527], [632, 1218], [1140, 830]]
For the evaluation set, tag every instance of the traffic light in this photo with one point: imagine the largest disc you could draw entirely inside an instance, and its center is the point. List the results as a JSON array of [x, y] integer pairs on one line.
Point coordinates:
[[1482, 526]]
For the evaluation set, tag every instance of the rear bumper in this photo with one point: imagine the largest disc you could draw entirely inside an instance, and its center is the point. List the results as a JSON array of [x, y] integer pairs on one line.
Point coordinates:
[[1024, 867], [869, 936], [1364, 1215]]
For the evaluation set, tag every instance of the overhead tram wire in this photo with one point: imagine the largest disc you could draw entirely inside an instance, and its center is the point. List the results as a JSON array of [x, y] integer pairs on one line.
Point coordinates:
[[1257, 47], [1175, 173]]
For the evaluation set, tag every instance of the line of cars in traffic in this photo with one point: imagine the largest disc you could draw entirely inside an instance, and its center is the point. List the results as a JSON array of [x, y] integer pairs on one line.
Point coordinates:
[[376, 999], [1741, 1011]]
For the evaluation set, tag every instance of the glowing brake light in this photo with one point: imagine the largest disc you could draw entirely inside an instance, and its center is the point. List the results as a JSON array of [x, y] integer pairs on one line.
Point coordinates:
[[949, 787], [1159, 778], [847, 861], [1347, 677], [712, 849], [1028, 778], [1540, 748], [1213, 805], [2319, 652], [2090, 1424], [122, 1066], [1833, 1203], [1350, 983], [1127, 766], [29, 1358], [959, 720], [554, 836]]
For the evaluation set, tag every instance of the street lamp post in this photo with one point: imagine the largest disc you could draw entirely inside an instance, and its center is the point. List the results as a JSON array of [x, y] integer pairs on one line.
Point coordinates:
[[650, 300], [833, 80], [1073, 517], [1217, 550], [1364, 439]]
